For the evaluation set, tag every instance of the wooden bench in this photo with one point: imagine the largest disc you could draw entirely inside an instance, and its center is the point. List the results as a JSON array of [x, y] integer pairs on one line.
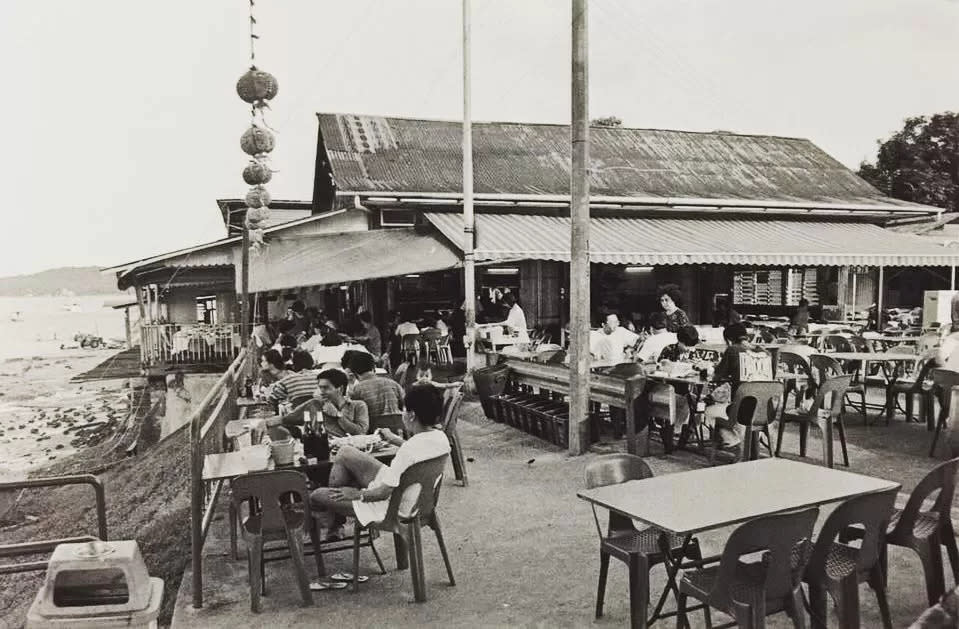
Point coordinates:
[[534, 400]]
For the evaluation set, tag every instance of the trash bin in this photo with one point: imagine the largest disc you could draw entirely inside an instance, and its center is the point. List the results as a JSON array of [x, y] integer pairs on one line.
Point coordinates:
[[96, 584]]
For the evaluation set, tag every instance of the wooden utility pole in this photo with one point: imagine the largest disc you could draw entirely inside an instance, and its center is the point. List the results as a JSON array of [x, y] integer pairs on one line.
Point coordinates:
[[469, 259], [245, 286], [579, 242]]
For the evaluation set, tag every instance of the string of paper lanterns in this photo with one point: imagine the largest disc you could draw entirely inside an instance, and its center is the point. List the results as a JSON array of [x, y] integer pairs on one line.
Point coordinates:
[[257, 88]]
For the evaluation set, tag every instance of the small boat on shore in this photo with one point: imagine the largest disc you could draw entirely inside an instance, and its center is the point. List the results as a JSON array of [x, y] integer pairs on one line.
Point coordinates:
[[16, 317], [72, 308]]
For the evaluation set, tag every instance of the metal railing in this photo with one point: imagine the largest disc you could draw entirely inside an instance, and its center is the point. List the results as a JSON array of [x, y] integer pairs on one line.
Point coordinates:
[[206, 427], [47, 545], [188, 343]]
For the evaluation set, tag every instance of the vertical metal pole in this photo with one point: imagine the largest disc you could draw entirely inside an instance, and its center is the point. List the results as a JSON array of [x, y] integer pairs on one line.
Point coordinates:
[[126, 327], [879, 302], [952, 278], [855, 278], [579, 241], [469, 259], [245, 288]]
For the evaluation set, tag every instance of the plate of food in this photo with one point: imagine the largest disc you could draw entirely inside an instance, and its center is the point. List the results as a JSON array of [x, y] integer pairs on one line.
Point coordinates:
[[364, 443]]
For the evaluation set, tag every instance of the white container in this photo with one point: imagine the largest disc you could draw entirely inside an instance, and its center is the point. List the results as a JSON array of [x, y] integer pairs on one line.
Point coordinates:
[[937, 308], [96, 584]]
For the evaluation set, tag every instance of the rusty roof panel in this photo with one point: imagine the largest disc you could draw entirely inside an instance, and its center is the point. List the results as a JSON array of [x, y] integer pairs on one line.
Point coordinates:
[[374, 153]]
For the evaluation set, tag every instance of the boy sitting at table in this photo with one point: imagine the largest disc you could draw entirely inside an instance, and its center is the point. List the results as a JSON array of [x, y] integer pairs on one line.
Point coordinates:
[[360, 485], [729, 371]]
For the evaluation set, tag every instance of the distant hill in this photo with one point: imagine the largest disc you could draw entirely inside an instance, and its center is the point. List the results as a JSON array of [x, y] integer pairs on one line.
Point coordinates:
[[68, 280]]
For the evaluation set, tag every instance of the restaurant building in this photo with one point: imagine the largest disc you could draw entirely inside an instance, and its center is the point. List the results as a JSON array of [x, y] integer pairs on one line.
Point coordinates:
[[764, 220]]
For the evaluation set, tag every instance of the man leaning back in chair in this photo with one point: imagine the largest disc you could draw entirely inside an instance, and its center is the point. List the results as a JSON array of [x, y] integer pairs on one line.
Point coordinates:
[[361, 486]]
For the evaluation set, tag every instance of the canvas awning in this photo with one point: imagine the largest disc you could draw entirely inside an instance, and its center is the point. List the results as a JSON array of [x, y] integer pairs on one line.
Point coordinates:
[[293, 262], [650, 241]]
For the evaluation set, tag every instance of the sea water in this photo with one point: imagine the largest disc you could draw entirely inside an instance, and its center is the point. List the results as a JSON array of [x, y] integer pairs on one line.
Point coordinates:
[[43, 324]]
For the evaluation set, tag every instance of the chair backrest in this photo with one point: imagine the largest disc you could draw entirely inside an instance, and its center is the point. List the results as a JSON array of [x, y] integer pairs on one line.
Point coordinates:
[[776, 536], [451, 408], [823, 367], [755, 403], [409, 342], [830, 394], [615, 469], [872, 512], [794, 363], [944, 380], [267, 488], [859, 344], [660, 401], [418, 491], [837, 343], [941, 478], [430, 334], [925, 367]]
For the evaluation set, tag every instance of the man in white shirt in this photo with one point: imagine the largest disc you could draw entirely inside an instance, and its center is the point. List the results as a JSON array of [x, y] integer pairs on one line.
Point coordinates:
[[406, 327], [361, 486], [611, 344], [659, 340]]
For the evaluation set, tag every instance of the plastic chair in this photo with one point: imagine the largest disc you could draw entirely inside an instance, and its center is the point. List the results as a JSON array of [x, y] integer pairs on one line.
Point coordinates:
[[750, 591], [792, 363], [838, 568], [412, 504], [831, 390], [429, 339], [410, 347], [924, 531], [272, 516], [943, 382], [660, 405], [451, 407], [913, 388], [827, 366], [444, 354], [638, 549], [754, 406]]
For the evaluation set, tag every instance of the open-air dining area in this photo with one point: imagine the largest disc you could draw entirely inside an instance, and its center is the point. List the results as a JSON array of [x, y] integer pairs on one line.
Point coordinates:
[[718, 507]]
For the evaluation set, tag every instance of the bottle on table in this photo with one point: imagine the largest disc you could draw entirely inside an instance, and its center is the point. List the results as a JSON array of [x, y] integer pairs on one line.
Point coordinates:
[[316, 441]]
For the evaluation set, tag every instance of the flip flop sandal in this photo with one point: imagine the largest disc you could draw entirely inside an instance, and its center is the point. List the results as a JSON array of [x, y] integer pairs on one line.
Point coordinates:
[[319, 586], [347, 577]]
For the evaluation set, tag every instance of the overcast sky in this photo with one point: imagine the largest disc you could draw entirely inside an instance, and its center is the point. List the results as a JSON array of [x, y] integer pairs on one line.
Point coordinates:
[[122, 122]]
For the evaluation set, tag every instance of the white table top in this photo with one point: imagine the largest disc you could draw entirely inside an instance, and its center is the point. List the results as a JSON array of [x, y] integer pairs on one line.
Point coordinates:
[[874, 356], [700, 500]]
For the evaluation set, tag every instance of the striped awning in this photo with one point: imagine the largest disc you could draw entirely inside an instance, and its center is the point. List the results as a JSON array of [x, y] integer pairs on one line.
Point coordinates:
[[637, 240], [321, 260]]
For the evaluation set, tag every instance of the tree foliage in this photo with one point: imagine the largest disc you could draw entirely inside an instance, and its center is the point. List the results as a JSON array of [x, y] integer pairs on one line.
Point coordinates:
[[919, 163], [606, 121]]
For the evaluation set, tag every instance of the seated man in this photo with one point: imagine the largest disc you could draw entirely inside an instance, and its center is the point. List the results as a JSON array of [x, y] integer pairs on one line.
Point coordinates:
[[382, 395], [298, 384], [361, 486], [659, 339], [341, 415], [611, 344]]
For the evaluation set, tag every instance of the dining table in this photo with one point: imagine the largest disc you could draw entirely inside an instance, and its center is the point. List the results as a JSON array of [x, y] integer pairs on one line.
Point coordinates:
[[686, 503]]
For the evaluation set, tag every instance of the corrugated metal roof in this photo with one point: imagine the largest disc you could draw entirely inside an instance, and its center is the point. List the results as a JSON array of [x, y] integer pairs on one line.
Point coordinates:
[[696, 241], [379, 154], [347, 257]]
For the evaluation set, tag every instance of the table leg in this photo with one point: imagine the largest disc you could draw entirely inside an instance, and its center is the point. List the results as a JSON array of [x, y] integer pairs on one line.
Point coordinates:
[[672, 569]]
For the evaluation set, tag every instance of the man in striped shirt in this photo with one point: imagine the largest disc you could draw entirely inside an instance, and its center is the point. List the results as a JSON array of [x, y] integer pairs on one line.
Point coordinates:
[[300, 385]]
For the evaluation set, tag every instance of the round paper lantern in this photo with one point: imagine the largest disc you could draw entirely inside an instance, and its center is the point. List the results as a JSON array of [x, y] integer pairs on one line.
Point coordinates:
[[257, 173], [258, 197], [257, 140], [256, 86], [257, 214]]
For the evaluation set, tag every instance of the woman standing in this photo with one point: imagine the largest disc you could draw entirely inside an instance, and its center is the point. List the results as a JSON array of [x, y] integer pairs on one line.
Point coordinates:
[[670, 299]]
